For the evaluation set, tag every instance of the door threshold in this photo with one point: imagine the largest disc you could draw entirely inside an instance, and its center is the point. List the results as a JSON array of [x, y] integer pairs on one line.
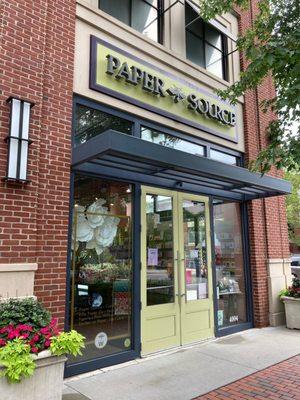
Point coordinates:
[[175, 349]]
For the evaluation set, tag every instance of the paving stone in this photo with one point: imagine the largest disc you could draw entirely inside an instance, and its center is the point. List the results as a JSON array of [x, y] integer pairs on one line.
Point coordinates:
[[268, 380]]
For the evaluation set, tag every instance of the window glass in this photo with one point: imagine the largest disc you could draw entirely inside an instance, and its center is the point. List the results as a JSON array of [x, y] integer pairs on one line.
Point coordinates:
[[195, 250], [101, 266], [173, 142], [144, 18], [214, 63], [193, 22], [141, 15], [229, 264], [204, 43], [90, 122], [213, 37], [195, 49], [116, 8], [160, 249], [223, 157]]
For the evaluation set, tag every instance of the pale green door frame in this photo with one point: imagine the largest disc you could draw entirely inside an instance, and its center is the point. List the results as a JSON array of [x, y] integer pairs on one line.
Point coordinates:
[[176, 273]]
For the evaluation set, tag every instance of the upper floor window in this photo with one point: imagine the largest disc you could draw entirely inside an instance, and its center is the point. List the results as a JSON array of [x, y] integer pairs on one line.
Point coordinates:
[[205, 45], [143, 15]]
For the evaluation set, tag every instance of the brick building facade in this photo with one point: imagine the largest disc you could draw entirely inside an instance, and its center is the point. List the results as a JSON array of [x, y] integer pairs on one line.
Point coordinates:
[[38, 48]]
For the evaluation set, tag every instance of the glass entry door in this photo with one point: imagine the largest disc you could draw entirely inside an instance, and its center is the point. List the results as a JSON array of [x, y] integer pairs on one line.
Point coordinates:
[[177, 305], [195, 273], [160, 316]]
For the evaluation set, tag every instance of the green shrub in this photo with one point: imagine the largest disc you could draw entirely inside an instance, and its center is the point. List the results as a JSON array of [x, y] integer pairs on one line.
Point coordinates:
[[24, 311]]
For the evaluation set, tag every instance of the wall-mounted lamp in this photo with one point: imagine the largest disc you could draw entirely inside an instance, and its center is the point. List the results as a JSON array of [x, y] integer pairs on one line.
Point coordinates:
[[18, 140]]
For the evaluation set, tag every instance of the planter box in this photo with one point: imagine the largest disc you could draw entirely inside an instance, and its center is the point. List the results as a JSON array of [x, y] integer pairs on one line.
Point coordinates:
[[46, 383], [292, 312]]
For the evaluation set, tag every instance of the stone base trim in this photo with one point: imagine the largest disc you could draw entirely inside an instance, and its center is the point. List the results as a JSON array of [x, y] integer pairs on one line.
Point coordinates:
[[18, 267], [17, 280], [279, 277]]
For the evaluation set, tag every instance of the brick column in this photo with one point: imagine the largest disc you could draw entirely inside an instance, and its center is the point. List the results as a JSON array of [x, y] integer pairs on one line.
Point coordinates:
[[37, 53], [269, 248]]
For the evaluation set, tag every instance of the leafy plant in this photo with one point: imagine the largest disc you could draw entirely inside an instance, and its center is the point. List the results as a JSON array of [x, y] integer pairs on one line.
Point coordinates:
[[293, 207], [17, 361], [283, 292], [28, 320], [24, 311], [67, 343], [26, 328], [271, 46], [292, 291]]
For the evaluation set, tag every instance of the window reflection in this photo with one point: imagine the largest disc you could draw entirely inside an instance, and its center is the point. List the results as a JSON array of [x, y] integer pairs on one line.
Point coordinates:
[[195, 250], [101, 271], [229, 264], [205, 45], [173, 142], [90, 122], [223, 157], [160, 257], [139, 14], [144, 18]]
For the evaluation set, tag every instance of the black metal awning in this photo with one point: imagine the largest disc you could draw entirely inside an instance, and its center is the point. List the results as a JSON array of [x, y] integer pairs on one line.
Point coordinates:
[[137, 160]]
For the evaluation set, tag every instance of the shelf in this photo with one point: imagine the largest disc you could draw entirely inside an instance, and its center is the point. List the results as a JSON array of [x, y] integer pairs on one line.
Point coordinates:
[[226, 293]]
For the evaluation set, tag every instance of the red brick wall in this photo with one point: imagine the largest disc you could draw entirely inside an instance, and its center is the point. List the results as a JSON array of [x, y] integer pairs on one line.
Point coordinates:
[[37, 52], [267, 218], [37, 46]]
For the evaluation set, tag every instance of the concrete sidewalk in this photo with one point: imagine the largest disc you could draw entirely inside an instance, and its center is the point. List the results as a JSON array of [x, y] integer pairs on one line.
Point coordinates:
[[188, 372]]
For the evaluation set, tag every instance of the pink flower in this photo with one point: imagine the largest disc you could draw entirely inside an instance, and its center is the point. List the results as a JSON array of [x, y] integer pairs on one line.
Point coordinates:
[[2, 342], [25, 327], [53, 322], [34, 339], [24, 335], [45, 330], [7, 328], [34, 349], [47, 343], [13, 334]]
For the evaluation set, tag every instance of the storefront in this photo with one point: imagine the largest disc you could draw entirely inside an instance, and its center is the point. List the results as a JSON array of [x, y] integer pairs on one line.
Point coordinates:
[[159, 242], [147, 246], [158, 238]]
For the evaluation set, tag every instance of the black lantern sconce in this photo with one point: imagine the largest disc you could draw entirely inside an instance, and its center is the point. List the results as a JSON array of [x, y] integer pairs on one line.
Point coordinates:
[[18, 140]]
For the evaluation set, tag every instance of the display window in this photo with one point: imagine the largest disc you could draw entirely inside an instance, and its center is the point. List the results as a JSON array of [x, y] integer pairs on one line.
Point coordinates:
[[229, 264], [101, 266]]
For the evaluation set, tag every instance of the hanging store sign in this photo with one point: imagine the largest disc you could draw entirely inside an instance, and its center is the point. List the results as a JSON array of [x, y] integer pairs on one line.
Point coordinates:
[[122, 75]]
